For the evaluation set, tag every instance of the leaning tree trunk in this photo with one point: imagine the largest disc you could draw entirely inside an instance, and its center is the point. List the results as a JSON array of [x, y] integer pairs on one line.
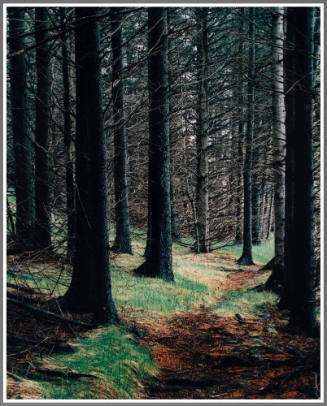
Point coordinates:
[[159, 256], [42, 131], [90, 288], [276, 278], [68, 142], [23, 153], [301, 274], [202, 138], [123, 236], [246, 257]]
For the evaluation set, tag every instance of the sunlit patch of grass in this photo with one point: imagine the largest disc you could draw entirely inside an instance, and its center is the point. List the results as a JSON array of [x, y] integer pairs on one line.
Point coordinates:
[[119, 363], [154, 297], [245, 302], [262, 253]]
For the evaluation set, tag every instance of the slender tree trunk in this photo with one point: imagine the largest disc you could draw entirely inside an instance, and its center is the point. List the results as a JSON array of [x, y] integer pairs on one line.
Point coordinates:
[[90, 289], [202, 193], [240, 90], [42, 132], [279, 141], [68, 142], [300, 279], [246, 258], [256, 203], [159, 257], [174, 218], [275, 281], [123, 236], [22, 142]]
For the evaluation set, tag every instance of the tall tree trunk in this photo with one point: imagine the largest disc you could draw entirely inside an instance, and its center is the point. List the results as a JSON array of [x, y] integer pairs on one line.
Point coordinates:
[[174, 218], [159, 257], [246, 257], [90, 288], [23, 153], [42, 131], [240, 98], [68, 142], [202, 138], [123, 236], [300, 279], [276, 278]]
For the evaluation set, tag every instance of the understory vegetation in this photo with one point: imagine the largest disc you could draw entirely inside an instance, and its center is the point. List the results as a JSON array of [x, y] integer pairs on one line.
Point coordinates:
[[114, 357]]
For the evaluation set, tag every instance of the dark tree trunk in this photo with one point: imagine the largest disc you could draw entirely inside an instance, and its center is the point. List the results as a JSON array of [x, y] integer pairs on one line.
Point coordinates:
[[90, 289], [246, 258], [240, 90], [174, 218], [68, 142], [256, 203], [202, 138], [159, 256], [23, 151], [42, 132], [123, 236], [299, 293]]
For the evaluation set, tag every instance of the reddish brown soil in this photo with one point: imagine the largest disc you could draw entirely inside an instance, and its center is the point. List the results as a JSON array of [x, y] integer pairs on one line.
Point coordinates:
[[205, 356]]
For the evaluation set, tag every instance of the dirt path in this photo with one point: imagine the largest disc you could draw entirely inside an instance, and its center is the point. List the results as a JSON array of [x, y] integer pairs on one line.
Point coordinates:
[[206, 356]]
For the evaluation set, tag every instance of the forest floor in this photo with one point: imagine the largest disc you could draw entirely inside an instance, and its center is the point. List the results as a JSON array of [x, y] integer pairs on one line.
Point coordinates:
[[209, 335]]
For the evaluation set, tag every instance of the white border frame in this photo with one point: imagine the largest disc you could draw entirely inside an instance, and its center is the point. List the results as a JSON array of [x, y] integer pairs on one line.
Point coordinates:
[[322, 204]]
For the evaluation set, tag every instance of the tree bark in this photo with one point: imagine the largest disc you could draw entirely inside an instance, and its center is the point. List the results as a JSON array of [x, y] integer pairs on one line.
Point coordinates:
[[202, 138], [279, 139], [90, 288], [246, 257], [123, 236], [23, 153], [42, 132], [159, 257], [68, 143], [300, 292]]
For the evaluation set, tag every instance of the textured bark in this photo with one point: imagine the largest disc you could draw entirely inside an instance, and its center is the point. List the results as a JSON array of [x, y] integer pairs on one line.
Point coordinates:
[[90, 288], [202, 192], [300, 293], [42, 132], [174, 218], [279, 138], [23, 155], [70, 189], [246, 257], [159, 256], [240, 90], [123, 236]]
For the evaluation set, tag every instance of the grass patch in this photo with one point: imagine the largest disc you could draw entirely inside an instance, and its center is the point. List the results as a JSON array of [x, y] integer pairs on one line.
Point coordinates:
[[245, 302], [120, 364], [261, 253]]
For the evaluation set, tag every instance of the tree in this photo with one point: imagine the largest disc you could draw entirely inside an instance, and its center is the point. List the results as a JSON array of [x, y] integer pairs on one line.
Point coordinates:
[[42, 131], [159, 256], [278, 263], [90, 288], [202, 193], [23, 151], [68, 140], [299, 292], [246, 257], [123, 237]]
